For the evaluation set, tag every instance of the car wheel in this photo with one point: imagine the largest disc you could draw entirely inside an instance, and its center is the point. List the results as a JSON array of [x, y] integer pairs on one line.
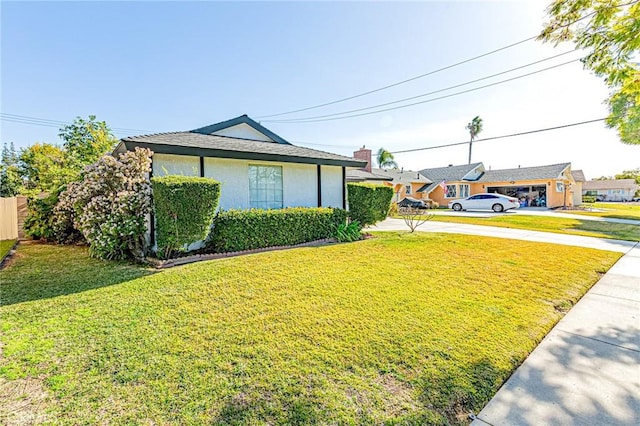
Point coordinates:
[[457, 207], [497, 208]]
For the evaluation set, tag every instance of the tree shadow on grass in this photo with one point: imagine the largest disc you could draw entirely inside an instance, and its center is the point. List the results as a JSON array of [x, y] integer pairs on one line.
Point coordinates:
[[619, 231], [575, 378], [42, 271]]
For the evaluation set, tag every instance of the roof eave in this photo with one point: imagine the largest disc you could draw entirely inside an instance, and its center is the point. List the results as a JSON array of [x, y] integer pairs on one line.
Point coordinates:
[[238, 155]]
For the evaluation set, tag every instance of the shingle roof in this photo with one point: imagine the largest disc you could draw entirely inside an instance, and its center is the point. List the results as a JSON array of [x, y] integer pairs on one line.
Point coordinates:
[[610, 184], [193, 143], [451, 173], [362, 175], [401, 176], [552, 171], [243, 119], [578, 175]]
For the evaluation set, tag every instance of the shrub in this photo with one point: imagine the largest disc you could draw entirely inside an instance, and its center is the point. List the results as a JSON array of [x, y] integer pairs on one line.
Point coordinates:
[[110, 205], [237, 230], [432, 204], [184, 208], [393, 209], [347, 232], [39, 223], [589, 199], [368, 203]]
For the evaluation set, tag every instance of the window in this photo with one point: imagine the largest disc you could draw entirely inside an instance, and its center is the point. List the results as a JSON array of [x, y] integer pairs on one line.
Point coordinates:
[[265, 187], [559, 187], [464, 191], [407, 189], [450, 192]]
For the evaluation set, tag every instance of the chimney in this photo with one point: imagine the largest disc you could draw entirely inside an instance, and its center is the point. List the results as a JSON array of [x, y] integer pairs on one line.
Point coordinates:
[[364, 154]]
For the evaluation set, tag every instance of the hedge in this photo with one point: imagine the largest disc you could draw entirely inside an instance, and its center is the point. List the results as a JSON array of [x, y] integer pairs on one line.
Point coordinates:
[[368, 203], [237, 230], [184, 207], [588, 199]]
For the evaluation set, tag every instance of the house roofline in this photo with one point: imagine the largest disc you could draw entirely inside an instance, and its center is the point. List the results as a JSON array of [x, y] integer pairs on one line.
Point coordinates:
[[243, 119]]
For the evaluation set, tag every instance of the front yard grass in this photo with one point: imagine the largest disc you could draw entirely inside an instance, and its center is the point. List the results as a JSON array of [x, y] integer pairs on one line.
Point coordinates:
[[402, 328], [613, 210], [560, 225], [5, 246]]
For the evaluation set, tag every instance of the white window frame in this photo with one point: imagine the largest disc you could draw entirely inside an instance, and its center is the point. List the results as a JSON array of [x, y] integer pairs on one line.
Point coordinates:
[[448, 190], [559, 186], [262, 193], [463, 193]]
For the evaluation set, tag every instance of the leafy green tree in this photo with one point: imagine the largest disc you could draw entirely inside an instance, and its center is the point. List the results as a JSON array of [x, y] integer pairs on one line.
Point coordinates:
[[609, 32], [385, 159], [10, 180], [85, 141], [474, 128], [44, 168], [631, 174]]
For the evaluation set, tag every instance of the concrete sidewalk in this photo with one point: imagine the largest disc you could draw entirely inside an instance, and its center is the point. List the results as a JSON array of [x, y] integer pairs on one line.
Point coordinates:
[[586, 371], [516, 234]]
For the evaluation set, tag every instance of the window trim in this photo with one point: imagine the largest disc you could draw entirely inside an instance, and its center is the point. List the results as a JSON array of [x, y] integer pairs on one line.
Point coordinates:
[[455, 191], [407, 190], [256, 203], [467, 186]]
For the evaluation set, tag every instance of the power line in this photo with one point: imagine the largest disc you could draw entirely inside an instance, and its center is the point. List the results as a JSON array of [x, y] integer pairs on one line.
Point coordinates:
[[55, 123], [500, 137], [424, 94], [425, 101], [439, 69]]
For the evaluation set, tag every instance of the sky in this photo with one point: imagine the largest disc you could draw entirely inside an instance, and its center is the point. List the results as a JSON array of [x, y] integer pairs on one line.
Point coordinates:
[[147, 67]]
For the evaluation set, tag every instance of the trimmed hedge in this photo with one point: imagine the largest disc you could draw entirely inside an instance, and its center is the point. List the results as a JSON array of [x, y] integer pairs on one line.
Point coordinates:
[[184, 207], [368, 203], [588, 199], [237, 230]]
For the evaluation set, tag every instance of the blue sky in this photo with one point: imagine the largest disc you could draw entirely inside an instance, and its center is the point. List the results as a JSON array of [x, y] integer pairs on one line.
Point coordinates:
[[168, 66]]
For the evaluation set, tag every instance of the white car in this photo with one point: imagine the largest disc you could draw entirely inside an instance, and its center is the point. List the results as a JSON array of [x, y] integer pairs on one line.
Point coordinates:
[[496, 202]]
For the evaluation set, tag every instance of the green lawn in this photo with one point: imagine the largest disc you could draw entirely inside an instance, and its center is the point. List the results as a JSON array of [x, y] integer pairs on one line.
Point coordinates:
[[5, 246], [402, 328], [560, 225], [613, 210]]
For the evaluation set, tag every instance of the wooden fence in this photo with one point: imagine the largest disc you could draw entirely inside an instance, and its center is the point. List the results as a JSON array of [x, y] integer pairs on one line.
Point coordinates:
[[13, 211]]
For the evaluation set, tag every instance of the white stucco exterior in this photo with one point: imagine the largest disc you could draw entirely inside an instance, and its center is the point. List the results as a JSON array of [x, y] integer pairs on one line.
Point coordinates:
[[243, 131], [299, 184], [332, 189], [234, 178], [169, 164]]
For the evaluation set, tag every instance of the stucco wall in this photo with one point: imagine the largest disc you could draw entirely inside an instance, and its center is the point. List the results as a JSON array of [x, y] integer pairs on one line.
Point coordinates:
[[299, 184], [243, 131], [331, 179], [169, 164]]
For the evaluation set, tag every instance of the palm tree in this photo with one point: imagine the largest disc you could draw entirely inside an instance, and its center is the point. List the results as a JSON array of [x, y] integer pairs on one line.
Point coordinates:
[[385, 159], [474, 128]]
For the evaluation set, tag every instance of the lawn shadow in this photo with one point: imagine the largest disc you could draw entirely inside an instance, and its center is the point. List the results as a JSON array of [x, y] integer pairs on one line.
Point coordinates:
[[575, 378], [42, 271], [619, 231]]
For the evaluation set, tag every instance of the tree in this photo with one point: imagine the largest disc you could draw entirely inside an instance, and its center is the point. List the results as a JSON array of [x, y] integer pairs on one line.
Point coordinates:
[[10, 180], [631, 174], [44, 168], [608, 31], [85, 141], [385, 159], [474, 128]]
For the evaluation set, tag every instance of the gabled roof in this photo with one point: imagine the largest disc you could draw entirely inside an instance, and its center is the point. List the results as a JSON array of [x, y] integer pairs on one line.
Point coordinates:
[[578, 175], [553, 171], [401, 176], [448, 174], [243, 119], [610, 184], [205, 145]]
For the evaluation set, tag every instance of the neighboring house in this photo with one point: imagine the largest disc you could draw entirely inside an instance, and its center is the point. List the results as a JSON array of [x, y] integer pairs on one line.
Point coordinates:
[[405, 183], [541, 186], [611, 189], [578, 177], [257, 168]]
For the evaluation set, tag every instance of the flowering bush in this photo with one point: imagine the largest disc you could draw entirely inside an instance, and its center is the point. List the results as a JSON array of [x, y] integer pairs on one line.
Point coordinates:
[[109, 206]]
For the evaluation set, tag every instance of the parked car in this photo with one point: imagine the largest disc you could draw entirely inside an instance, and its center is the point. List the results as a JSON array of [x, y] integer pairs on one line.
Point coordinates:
[[413, 203], [496, 202]]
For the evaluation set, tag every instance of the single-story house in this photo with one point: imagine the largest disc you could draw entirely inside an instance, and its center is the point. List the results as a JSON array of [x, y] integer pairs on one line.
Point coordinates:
[[257, 168], [578, 177], [540, 186], [405, 183], [611, 189]]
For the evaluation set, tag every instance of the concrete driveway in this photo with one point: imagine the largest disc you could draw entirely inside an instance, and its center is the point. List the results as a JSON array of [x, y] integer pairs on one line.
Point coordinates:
[[586, 371]]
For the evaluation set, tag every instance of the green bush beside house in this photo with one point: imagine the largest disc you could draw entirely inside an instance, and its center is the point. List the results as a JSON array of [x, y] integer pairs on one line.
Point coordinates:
[[368, 203]]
